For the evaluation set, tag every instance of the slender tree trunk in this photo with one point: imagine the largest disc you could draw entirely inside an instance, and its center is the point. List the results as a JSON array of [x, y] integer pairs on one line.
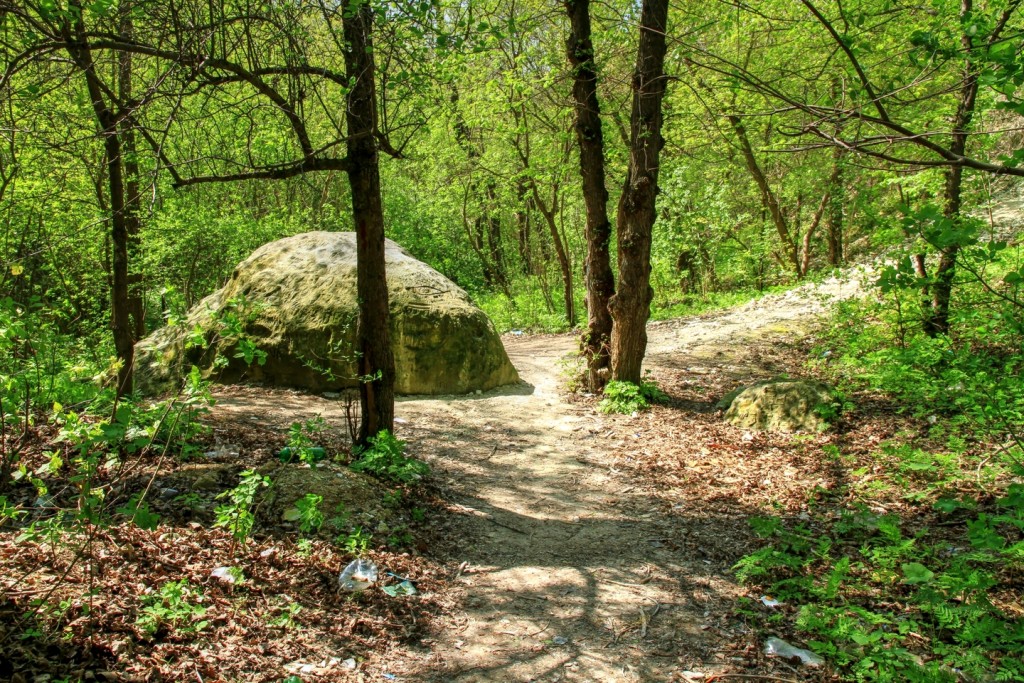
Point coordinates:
[[120, 311], [834, 215], [494, 243], [937, 319], [599, 279], [768, 198], [564, 266], [376, 360], [523, 228], [631, 305], [132, 202]]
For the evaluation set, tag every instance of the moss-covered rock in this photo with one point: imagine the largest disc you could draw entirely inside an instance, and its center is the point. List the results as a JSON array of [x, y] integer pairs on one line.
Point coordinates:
[[296, 300], [783, 405]]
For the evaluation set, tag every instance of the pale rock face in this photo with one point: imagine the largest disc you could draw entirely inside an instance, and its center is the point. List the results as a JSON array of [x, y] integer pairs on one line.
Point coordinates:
[[782, 406], [300, 309]]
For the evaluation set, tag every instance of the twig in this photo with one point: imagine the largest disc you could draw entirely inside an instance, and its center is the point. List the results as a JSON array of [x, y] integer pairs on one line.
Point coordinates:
[[751, 677]]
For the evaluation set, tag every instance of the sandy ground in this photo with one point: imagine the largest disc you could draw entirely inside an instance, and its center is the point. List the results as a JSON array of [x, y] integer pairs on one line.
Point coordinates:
[[567, 571]]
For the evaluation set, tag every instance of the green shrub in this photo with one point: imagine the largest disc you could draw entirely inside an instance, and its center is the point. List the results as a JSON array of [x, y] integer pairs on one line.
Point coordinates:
[[628, 398], [385, 459]]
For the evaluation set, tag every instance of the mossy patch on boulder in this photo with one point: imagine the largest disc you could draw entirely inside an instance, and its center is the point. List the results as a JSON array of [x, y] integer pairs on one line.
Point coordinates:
[[296, 300], [783, 405]]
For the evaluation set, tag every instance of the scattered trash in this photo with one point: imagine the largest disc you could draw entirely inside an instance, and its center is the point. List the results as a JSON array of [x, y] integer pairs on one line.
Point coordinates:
[[776, 647], [517, 333], [390, 677], [225, 574], [559, 640], [331, 395], [268, 552], [358, 575], [747, 437], [168, 493], [401, 421], [403, 588], [693, 675], [349, 664], [45, 501], [228, 450], [288, 454], [769, 601]]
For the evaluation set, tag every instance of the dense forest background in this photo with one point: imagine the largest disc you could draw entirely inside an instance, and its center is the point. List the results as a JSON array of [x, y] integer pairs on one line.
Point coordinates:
[[796, 138]]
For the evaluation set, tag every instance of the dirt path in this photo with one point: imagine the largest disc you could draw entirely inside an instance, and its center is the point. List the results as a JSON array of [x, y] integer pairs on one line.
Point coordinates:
[[569, 571]]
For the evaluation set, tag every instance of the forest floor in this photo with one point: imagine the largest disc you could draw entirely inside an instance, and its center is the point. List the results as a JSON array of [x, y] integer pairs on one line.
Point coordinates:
[[581, 546], [551, 542]]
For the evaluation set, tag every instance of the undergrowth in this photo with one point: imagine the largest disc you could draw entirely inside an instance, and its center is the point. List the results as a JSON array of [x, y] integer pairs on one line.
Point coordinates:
[[927, 588]]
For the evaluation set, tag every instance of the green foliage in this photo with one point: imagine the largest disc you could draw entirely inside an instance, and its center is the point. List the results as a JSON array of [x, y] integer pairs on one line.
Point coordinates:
[[175, 607], [311, 518], [628, 398], [236, 515], [885, 607], [302, 439], [356, 542], [385, 459], [286, 619], [138, 513]]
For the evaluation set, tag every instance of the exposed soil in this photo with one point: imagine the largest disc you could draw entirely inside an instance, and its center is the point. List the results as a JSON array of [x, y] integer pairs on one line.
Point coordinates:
[[587, 547]]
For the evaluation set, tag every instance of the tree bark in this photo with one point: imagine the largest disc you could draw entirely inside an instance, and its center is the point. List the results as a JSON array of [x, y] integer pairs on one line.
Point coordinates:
[[376, 359], [834, 216], [132, 200], [120, 310], [631, 305], [561, 251], [937, 319], [599, 279], [768, 198]]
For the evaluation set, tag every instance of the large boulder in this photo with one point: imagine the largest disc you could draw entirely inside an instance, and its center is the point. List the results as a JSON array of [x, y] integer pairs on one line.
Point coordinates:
[[296, 300], [783, 405]]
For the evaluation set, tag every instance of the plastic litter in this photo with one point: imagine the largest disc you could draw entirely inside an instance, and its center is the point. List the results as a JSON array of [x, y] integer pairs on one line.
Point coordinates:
[[349, 663], [776, 647], [358, 575], [403, 588], [228, 450], [224, 574], [769, 601], [559, 640]]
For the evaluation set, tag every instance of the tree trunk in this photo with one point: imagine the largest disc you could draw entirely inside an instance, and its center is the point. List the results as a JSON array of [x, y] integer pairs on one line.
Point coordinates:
[[523, 228], [937, 319], [560, 250], [631, 305], [120, 311], [768, 198], [599, 279], [132, 200], [376, 360], [834, 216]]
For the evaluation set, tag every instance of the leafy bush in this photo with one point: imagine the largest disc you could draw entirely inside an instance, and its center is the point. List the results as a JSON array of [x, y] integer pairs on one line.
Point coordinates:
[[628, 398], [385, 458], [175, 606], [887, 607], [236, 515]]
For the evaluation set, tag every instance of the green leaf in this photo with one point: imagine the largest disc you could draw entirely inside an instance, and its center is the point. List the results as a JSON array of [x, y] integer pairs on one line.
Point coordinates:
[[915, 572]]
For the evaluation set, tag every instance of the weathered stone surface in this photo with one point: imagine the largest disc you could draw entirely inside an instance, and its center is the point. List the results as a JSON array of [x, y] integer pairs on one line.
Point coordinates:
[[300, 309], [783, 406]]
